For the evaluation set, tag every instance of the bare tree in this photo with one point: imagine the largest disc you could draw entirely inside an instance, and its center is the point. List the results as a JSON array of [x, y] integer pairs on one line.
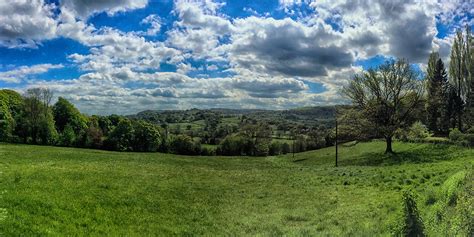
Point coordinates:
[[387, 96]]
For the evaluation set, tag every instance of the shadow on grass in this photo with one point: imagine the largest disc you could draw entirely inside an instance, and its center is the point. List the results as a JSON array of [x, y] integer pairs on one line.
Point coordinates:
[[423, 154]]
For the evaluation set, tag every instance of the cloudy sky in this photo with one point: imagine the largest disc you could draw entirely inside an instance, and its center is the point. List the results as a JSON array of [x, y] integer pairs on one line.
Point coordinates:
[[124, 56]]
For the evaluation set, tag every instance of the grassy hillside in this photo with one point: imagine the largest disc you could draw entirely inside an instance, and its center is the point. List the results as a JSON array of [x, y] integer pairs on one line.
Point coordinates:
[[67, 191]]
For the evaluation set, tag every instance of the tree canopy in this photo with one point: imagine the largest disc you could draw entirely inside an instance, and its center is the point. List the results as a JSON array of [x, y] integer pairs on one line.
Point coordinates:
[[388, 95]]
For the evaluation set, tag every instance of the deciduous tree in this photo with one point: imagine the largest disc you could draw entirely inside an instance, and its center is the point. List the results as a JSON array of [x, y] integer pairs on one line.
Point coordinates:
[[387, 95]]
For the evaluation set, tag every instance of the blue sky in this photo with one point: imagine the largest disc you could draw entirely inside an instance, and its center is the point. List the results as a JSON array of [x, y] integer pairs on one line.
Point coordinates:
[[126, 56]]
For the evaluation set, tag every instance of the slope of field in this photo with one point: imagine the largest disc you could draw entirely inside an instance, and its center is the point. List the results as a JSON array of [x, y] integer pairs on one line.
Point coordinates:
[[67, 191]]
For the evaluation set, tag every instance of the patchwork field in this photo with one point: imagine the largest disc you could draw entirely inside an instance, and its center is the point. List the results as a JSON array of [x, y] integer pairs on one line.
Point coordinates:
[[68, 191]]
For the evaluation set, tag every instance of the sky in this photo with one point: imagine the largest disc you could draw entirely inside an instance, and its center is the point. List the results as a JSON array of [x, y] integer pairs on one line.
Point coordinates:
[[125, 56]]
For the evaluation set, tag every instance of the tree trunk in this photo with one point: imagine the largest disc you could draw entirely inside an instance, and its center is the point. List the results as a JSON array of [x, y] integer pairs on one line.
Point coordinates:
[[389, 145]]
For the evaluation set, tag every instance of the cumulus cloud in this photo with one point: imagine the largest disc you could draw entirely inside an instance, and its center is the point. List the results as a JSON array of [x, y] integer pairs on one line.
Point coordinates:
[[404, 29], [270, 87], [85, 8], [155, 24], [24, 72], [287, 47], [25, 23], [112, 48]]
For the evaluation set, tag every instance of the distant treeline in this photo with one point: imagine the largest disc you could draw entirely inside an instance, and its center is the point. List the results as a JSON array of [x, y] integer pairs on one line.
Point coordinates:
[[32, 119]]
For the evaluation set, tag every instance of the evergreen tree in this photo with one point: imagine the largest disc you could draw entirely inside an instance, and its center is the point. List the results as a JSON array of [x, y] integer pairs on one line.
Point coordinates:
[[434, 88], [442, 95]]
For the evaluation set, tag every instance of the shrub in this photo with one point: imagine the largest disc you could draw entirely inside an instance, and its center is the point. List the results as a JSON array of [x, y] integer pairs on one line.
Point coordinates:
[[401, 134], [418, 132], [208, 151], [469, 137], [235, 145], [261, 148], [455, 135], [285, 148], [275, 148], [184, 145]]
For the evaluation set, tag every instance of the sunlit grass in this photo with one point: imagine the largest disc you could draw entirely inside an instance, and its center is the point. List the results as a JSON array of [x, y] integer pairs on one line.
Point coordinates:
[[67, 191]]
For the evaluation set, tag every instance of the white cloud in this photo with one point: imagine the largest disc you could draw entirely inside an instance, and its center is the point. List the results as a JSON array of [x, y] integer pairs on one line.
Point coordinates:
[[155, 24], [24, 72], [25, 23], [84, 8]]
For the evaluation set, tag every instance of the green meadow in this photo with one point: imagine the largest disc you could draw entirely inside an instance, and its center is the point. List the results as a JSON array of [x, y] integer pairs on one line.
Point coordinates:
[[70, 191]]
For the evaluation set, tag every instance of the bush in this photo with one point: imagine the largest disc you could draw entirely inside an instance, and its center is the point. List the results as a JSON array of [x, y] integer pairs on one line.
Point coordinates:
[[417, 132], [184, 145], [469, 139], [235, 145], [285, 148], [401, 134], [275, 148], [455, 135], [208, 151]]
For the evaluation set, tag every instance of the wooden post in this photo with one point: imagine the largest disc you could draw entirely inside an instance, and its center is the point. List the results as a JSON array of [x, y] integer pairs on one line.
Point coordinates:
[[335, 115], [293, 147]]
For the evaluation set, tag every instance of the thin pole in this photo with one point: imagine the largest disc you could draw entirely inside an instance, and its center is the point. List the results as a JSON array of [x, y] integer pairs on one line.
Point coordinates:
[[335, 115], [293, 147]]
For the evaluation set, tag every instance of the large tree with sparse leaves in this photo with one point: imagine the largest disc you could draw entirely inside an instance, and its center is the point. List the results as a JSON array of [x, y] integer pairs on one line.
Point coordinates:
[[388, 96]]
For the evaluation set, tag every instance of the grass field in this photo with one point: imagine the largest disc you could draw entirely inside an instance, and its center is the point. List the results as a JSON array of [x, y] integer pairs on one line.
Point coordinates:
[[67, 191]]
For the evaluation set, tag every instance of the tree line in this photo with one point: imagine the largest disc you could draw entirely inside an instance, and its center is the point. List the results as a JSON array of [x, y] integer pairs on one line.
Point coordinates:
[[31, 118]]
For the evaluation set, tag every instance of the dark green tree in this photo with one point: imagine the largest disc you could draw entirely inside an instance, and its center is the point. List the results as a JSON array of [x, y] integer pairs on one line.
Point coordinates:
[[147, 136], [121, 138], [66, 114], [6, 122], [184, 145], [437, 82], [67, 137]]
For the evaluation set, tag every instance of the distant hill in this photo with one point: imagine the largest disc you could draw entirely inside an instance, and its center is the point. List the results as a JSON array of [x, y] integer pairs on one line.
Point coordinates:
[[304, 115]]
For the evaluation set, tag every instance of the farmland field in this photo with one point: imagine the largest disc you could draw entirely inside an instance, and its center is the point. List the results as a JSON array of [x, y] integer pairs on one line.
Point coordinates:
[[69, 191]]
